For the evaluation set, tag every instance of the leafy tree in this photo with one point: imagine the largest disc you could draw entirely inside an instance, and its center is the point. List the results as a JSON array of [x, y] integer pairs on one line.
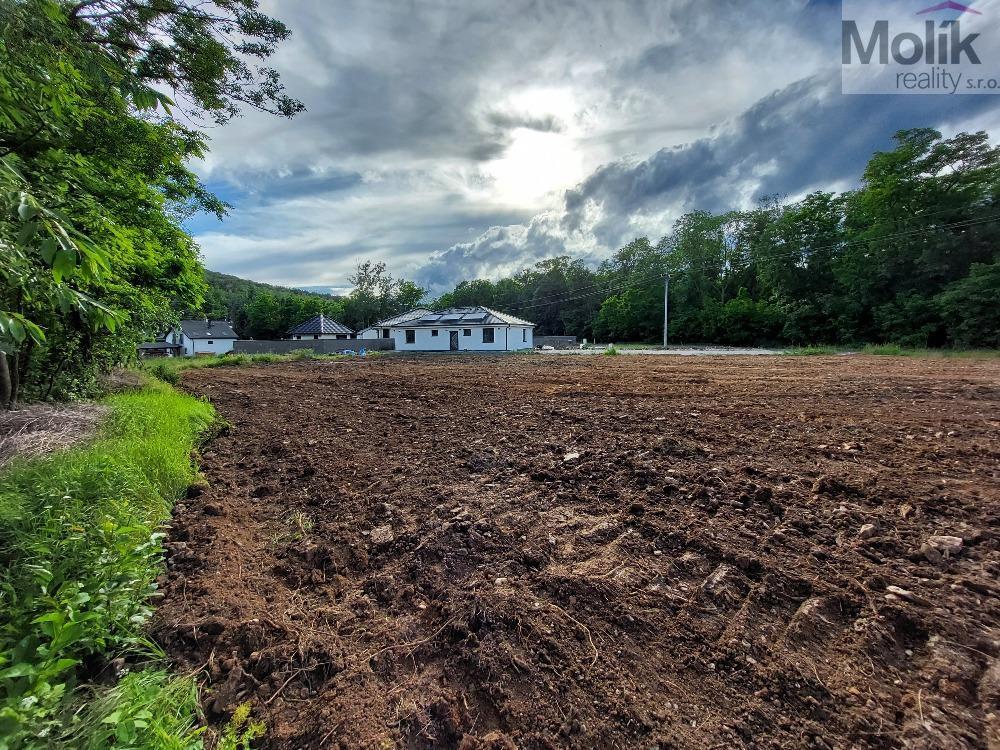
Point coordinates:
[[93, 172], [971, 307]]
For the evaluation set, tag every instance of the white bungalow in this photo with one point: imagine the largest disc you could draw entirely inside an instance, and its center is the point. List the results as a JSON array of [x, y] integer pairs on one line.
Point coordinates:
[[382, 329], [201, 336], [478, 329], [319, 327]]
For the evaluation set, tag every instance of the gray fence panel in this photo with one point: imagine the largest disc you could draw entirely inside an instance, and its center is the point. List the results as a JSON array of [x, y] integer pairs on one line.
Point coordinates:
[[320, 346]]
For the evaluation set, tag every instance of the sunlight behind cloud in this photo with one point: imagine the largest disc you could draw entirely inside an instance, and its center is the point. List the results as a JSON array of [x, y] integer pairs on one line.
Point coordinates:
[[534, 166]]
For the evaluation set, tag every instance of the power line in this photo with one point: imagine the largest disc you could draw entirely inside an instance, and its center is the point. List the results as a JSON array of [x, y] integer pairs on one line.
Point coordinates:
[[602, 288], [822, 247]]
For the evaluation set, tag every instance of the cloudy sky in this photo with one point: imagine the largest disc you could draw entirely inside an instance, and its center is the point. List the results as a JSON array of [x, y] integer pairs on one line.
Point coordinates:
[[468, 138]]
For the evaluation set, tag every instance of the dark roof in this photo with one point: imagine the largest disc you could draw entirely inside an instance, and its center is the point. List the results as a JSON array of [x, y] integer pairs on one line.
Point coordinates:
[[208, 329], [397, 320], [319, 324], [465, 316], [154, 345]]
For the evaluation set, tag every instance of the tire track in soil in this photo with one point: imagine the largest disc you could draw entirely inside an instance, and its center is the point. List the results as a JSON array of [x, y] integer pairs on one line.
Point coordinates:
[[484, 552]]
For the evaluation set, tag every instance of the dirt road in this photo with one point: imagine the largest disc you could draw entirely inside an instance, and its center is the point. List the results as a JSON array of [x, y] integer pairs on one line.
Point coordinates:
[[600, 552]]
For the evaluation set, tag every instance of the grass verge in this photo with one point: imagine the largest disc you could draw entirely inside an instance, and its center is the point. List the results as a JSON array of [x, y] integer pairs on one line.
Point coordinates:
[[168, 369], [79, 553]]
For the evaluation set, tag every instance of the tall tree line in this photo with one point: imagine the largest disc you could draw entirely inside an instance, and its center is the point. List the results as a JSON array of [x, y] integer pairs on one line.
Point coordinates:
[[912, 257]]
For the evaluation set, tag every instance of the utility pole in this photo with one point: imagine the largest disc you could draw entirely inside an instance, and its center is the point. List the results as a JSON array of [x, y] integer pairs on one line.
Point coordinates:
[[666, 303]]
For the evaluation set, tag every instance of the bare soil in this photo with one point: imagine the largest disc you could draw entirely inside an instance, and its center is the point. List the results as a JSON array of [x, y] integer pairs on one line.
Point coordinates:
[[500, 552]]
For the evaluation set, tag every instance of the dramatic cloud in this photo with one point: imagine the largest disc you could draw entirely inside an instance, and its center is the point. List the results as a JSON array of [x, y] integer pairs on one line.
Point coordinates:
[[454, 140]]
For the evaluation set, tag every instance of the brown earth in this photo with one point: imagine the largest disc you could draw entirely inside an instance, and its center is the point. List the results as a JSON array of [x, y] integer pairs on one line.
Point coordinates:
[[630, 552]]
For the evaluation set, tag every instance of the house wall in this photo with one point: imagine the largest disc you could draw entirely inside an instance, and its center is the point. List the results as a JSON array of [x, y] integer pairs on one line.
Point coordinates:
[[194, 347], [371, 333], [504, 339]]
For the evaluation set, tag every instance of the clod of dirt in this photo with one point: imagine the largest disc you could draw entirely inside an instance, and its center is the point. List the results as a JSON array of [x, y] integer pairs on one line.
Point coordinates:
[[382, 534], [197, 488], [868, 530], [941, 547], [227, 696], [895, 592]]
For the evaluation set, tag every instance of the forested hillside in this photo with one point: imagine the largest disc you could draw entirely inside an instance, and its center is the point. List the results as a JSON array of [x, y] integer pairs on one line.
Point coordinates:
[[912, 257], [265, 311]]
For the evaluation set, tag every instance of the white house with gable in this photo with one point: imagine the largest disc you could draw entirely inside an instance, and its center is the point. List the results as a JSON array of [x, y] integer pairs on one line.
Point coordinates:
[[459, 329], [383, 329], [203, 336]]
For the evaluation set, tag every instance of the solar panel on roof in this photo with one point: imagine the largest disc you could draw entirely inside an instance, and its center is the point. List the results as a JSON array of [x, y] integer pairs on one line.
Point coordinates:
[[448, 318], [474, 316]]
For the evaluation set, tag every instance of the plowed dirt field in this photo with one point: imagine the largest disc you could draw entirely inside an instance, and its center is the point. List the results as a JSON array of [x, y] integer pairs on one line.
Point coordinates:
[[602, 552]]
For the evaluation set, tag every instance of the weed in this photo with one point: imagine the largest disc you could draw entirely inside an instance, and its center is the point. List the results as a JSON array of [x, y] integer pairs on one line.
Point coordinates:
[[299, 526], [240, 731], [302, 524], [611, 351], [147, 709]]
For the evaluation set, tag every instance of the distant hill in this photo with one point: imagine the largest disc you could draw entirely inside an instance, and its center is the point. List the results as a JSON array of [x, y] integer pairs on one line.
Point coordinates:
[[260, 310], [234, 285], [336, 291]]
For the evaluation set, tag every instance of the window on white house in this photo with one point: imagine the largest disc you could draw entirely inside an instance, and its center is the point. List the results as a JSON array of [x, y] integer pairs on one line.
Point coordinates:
[[315, 335], [211, 342], [524, 335], [466, 331], [434, 332], [487, 335], [385, 333], [411, 337]]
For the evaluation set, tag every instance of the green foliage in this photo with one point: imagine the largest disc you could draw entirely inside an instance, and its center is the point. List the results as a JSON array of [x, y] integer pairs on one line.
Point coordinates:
[[970, 307], [910, 257], [240, 731], [93, 176], [146, 709], [80, 548], [377, 295], [262, 311]]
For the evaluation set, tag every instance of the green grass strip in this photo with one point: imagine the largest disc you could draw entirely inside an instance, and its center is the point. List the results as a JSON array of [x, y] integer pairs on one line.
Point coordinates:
[[80, 549]]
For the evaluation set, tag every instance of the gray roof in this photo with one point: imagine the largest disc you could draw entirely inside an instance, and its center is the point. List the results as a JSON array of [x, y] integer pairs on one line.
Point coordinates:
[[465, 316], [319, 324], [203, 328], [417, 312]]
